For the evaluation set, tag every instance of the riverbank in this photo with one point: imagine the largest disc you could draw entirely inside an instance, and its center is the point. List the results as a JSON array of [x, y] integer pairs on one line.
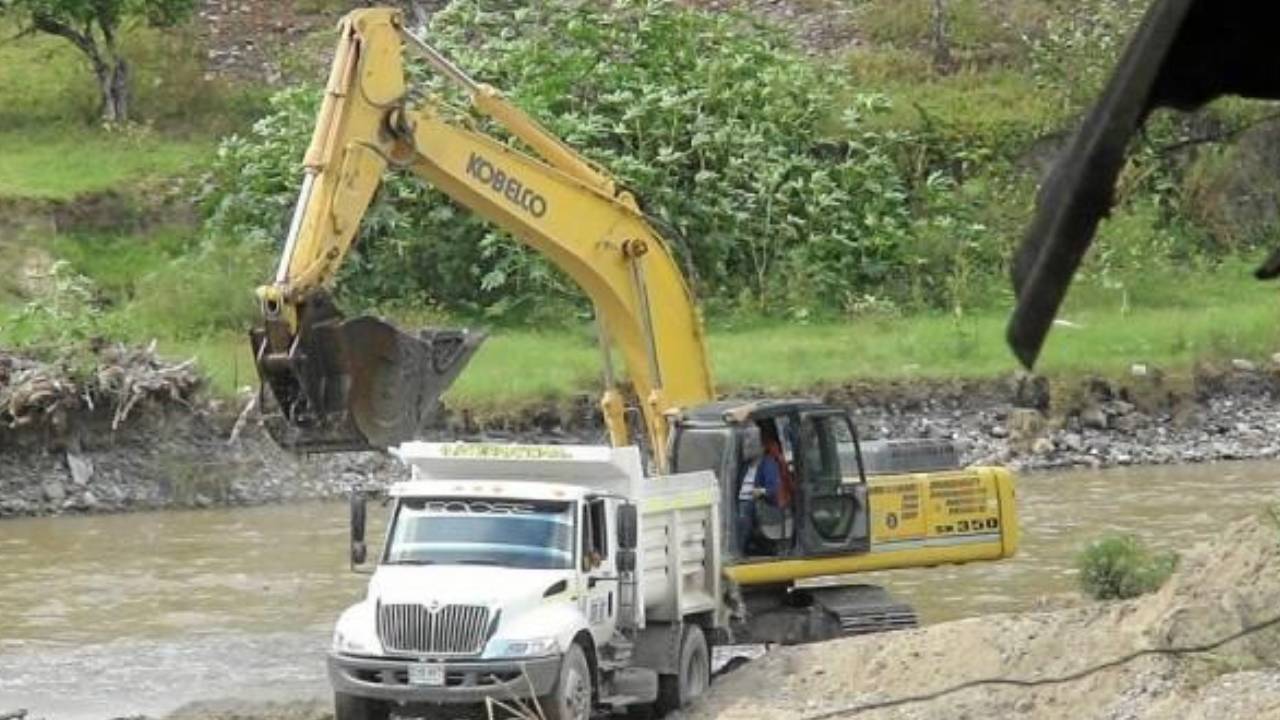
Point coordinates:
[[1085, 662], [71, 449]]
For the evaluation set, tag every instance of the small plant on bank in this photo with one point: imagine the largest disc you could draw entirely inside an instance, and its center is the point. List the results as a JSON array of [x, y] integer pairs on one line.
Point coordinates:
[[1118, 567]]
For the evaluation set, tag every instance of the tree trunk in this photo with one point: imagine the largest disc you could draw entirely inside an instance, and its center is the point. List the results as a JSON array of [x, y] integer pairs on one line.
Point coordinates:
[[941, 41], [109, 66], [113, 85]]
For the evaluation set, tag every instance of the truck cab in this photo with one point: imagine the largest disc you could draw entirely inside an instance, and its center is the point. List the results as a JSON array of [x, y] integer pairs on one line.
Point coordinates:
[[549, 576]]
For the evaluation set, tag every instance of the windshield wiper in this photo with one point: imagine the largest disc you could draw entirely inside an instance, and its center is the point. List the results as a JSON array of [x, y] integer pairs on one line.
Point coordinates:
[[478, 561], [411, 561]]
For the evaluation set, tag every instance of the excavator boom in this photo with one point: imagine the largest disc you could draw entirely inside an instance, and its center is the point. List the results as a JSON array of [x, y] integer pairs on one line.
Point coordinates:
[[1183, 54], [361, 383]]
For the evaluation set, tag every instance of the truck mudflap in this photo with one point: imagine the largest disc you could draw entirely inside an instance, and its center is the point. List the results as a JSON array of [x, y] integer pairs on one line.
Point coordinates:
[[464, 682]]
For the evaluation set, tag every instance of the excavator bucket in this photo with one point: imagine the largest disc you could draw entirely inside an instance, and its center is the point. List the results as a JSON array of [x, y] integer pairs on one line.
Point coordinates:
[[1183, 54], [356, 384]]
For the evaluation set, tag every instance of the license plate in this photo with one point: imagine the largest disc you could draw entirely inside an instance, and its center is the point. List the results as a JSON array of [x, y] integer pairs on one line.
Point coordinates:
[[426, 674]]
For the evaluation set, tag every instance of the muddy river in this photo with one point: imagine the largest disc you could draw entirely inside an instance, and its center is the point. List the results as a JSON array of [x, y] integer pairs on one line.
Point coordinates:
[[109, 616]]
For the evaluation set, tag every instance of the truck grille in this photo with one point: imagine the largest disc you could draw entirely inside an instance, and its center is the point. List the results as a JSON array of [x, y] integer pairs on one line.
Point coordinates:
[[444, 630]]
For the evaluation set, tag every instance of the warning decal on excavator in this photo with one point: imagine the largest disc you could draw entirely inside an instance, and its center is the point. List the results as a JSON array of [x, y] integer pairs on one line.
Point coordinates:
[[506, 185]]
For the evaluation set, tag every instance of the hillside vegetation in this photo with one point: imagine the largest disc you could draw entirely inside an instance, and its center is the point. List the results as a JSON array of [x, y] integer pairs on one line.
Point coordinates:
[[843, 183]]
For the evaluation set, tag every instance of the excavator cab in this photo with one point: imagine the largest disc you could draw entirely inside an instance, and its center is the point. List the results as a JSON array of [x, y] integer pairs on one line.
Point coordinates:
[[1184, 54], [826, 511]]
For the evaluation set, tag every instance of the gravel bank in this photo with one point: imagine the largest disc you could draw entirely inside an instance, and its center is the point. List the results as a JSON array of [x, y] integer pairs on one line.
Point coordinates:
[[174, 450], [1030, 423]]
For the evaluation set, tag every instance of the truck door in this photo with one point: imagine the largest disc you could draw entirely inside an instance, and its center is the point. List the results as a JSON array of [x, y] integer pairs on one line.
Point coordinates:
[[599, 596], [833, 512]]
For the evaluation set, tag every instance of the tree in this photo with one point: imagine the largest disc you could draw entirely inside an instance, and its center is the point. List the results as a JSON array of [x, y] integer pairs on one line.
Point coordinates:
[[941, 40], [94, 27]]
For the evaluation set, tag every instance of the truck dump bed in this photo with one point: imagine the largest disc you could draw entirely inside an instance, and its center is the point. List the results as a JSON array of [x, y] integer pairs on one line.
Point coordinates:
[[680, 546]]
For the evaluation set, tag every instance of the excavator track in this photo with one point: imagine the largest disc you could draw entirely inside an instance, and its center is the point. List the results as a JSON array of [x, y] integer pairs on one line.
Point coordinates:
[[865, 609], [795, 616]]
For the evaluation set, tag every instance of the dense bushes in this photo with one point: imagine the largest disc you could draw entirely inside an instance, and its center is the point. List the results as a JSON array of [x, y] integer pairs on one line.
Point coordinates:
[[732, 140], [788, 186]]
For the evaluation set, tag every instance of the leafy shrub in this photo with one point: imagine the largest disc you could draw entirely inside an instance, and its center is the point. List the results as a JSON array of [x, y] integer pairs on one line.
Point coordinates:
[[63, 312], [1080, 45], [1120, 566], [728, 135]]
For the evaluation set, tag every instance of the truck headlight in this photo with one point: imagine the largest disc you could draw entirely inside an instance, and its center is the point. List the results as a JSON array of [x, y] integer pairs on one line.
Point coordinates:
[[352, 644], [536, 647]]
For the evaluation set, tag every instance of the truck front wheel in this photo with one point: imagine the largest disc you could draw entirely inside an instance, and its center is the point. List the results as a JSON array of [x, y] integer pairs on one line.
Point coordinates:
[[571, 698], [350, 707], [693, 673]]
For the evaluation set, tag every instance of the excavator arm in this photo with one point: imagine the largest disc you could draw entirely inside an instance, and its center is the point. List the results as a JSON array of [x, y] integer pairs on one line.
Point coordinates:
[[1184, 54], [345, 384]]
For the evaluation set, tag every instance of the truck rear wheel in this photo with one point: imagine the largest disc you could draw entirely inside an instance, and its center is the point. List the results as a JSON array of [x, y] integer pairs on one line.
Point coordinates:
[[571, 699], [693, 673], [350, 707]]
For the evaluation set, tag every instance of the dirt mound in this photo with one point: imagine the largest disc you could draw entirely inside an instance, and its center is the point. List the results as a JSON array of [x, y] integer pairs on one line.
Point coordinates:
[[1219, 590]]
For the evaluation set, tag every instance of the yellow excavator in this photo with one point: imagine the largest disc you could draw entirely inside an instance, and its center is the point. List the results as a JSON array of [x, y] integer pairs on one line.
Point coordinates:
[[338, 384]]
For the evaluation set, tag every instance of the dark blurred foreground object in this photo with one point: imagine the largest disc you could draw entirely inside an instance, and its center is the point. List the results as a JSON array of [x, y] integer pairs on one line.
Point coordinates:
[[1184, 54]]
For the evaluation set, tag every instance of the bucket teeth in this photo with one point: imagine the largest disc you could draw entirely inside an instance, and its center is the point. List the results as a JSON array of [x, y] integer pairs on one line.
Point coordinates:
[[358, 384]]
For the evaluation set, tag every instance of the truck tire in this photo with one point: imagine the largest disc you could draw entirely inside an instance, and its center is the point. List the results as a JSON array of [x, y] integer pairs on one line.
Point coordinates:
[[693, 676], [350, 707], [571, 698]]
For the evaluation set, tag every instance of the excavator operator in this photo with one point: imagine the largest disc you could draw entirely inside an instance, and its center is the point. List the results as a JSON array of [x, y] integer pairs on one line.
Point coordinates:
[[760, 481]]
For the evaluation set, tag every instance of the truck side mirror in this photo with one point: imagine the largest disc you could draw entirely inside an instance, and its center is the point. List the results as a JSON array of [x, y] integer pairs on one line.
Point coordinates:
[[628, 527], [359, 552]]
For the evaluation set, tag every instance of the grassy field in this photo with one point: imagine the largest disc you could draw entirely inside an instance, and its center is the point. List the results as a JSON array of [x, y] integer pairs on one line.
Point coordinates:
[[63, 162], [1219, 315], [50, 144]]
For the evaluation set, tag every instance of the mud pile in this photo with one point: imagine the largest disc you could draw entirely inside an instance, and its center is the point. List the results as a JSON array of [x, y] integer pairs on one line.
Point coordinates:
[[1219, 590]]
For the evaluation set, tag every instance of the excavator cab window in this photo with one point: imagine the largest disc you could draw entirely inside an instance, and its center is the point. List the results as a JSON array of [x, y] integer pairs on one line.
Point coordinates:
[[702, 448], [832, 498]]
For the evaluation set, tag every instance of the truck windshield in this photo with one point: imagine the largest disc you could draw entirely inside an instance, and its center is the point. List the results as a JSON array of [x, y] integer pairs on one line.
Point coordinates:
[[474, 531]]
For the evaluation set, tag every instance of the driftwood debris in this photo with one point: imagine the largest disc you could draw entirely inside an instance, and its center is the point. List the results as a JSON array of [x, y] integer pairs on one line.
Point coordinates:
[[115, 377]]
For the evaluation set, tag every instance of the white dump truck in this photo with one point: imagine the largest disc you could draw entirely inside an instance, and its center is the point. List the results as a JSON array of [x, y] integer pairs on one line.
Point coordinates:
[[559, 577]]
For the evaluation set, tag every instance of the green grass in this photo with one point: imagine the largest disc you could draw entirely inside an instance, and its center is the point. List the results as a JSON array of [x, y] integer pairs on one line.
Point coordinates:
[[224, 358], [45, 81], [62, 162], [118, 263], [989, 106], [1172, 324]]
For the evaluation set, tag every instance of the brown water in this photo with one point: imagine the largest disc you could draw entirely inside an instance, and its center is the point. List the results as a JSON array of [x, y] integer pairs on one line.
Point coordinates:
[[105, 616]]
